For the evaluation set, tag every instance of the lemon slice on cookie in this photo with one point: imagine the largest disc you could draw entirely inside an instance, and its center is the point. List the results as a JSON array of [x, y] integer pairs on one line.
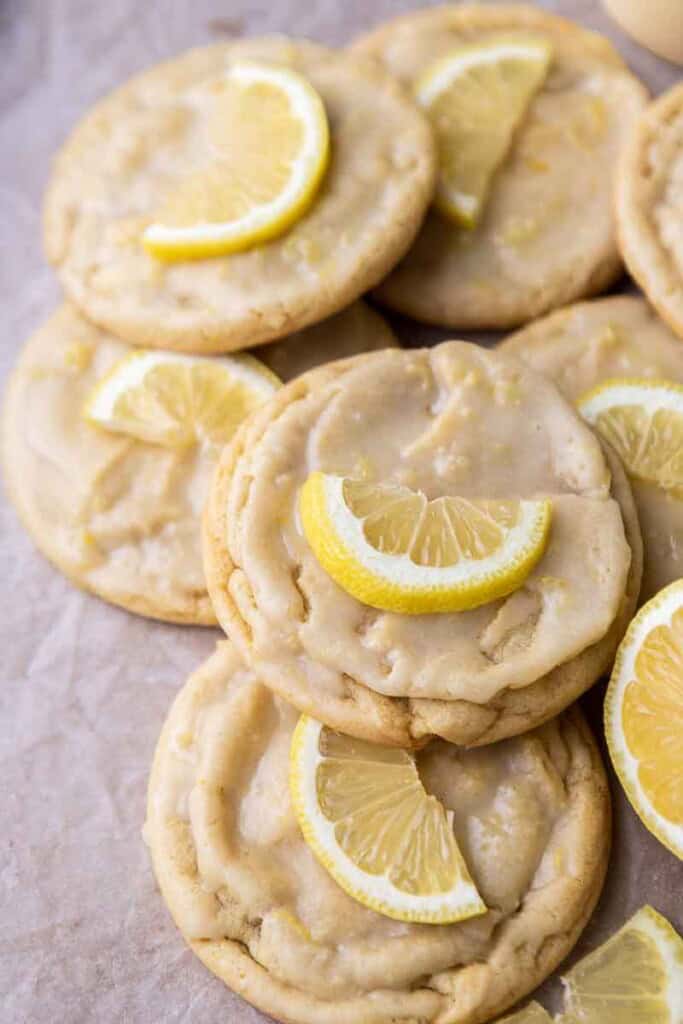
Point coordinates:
[[636, 977], [391, 548], [643, 421], [644, 715], [172, 399], [268, 134], [368, 819], [475, 98]]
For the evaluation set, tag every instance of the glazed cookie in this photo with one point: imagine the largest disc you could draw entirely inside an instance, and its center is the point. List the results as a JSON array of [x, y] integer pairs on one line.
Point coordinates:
[[531, 816], [453, 420], [583, 345], [120, 517], [650, 205], [113, 172], [547, 233]]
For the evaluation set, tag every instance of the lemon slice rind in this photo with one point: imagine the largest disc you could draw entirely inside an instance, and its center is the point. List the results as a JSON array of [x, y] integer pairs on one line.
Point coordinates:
[[374, 891], [657, 612], [130, 372], [463, 207], [266, 220], [395, 582], [648, 393]]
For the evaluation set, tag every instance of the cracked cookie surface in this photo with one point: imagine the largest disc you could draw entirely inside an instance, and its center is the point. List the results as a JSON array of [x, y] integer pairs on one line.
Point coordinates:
[[531, 815], [112, 173], [120, 517], [455, 419]]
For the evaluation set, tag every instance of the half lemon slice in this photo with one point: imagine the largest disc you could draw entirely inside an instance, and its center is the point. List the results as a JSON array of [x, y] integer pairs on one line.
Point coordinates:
[[174, 400], [644, 715], [475, 98], [643, 421], [367, 818], [269, 139], [391, 548], [636, 977]]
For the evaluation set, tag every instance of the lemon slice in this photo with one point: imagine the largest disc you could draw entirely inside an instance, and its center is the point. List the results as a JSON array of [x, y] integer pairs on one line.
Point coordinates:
[[475, 98], [391, 548], [636, 977], [367, 818], [644, 715], [643, 421], [269, 139], [174, 400]]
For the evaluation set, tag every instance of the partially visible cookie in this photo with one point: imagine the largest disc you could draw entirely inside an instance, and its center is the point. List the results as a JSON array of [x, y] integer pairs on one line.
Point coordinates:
[[113, 172], [650, 205], [120, 517], [585, 344], [547, 235], [531, 816], [453, 420]]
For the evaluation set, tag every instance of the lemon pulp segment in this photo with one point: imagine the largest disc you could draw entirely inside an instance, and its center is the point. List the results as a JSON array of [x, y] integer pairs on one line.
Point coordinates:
[[175, 400], [643, 421]]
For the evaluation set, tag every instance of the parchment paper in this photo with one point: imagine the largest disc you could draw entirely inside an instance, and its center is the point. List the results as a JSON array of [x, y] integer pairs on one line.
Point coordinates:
[[84, 936]]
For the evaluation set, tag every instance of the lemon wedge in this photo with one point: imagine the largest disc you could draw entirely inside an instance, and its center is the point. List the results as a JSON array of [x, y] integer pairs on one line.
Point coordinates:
[[643, 421], [367, 818], [175, 400], [268, 146], [636, 977], [475, 98], [391, 548], [644, 715]]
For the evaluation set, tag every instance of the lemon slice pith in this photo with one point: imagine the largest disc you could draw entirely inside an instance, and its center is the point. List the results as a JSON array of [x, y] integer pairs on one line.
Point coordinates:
[[270, 141], [644, 715], [643, 421], [476, 97], [636, 977], [391, 548], [172, 399], [367, 818]]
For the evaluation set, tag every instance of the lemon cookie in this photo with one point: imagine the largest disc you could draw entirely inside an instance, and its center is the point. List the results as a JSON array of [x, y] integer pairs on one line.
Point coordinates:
[[455, 421], [650, 205], [120, 517], [137, 147], [620, 337], [531, 816], [546, 232]]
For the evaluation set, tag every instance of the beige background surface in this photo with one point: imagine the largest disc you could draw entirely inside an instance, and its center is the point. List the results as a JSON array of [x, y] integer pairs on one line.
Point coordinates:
[[84, 687]]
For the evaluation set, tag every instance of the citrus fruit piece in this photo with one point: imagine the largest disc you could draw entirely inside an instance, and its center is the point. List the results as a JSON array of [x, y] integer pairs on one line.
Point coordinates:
[[366, 816], [636, 977], [269, 140], [475, 98], [643, 421], [174, 400], [644, 715], [391, 548]]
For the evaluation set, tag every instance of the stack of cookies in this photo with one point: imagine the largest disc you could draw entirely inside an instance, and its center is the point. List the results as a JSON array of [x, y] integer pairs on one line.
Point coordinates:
[[373, 802]]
